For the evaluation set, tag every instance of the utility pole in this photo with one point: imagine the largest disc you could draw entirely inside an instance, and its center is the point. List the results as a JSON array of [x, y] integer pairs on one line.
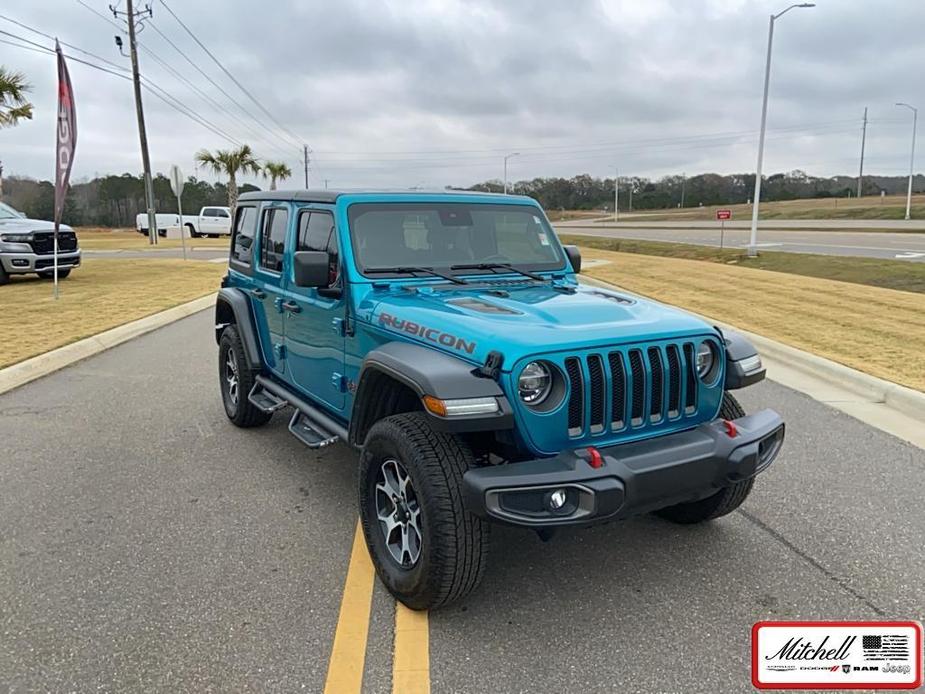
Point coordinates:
[[512, 154], [863, 138], [683, 183], [632, 185], [306, 160], [130, 17]]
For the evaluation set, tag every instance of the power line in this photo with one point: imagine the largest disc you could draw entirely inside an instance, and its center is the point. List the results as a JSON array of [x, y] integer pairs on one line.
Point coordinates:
[[149, 85], [240, 86], [215, 84], [175, 73]]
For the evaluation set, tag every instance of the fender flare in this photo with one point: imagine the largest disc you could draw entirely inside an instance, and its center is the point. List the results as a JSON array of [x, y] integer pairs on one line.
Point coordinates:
[[427, 371], [239, 305], [743, 363]]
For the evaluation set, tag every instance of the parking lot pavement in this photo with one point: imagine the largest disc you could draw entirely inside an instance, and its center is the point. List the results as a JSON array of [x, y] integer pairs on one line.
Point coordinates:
[[148, 545]]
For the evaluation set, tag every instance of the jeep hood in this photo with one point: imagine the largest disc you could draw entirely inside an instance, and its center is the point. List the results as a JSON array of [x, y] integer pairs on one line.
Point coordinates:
[[23, 226], [525, 321]]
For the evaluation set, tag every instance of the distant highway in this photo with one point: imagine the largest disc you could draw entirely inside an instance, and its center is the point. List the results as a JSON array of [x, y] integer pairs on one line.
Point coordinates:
[[887, 245]]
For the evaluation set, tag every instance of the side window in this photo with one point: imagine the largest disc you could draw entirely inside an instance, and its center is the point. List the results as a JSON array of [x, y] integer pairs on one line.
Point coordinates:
[[242, 245], [208, 212], [273, 238], [317, 233], [221, 213]]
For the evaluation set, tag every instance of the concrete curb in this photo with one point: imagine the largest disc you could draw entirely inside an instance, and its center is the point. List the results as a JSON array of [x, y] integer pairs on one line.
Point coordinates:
[[25, 371], [905, 400]]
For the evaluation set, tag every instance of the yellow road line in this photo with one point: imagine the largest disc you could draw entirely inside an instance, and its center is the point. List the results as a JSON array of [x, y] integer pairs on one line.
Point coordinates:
[[411, 660], [348, 655]]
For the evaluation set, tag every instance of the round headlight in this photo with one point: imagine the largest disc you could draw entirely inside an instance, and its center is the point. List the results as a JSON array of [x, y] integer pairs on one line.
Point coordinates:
[[705, 359], [534, 383]]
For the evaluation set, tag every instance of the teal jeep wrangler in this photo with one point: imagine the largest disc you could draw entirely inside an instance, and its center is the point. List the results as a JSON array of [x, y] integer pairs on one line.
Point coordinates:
[[446, 337]]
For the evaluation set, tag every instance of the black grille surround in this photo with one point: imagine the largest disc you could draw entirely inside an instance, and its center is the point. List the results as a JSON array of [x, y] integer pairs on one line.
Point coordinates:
[[633, 388], [43, 242]]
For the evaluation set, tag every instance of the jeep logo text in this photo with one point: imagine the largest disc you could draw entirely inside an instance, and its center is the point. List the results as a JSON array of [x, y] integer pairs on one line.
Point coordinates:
[[432, 334]]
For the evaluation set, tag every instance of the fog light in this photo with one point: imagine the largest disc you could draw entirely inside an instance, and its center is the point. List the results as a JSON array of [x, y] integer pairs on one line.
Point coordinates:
[[557, 499]]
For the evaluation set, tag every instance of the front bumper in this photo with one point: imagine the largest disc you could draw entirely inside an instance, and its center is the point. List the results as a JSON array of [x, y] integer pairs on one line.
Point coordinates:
[[634, 478], [18, 262]]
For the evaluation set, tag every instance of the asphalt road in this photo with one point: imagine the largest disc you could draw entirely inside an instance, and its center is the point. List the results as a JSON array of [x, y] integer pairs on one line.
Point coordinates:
[[887, 245], [148, 545], [197, 253]]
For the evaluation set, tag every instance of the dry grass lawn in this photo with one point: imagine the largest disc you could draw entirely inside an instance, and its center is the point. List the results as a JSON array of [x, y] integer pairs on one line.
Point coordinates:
[[99, 295], [879, 331], [97, 239]]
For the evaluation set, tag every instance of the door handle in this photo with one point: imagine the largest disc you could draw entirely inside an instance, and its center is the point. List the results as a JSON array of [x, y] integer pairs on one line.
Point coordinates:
[[292, 306], [258, 294]]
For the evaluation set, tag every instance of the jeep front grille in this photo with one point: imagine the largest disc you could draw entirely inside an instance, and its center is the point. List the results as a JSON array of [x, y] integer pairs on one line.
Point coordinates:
[[631, 388]]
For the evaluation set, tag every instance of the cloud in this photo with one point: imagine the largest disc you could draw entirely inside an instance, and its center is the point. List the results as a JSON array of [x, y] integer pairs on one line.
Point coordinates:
[[434, 92]]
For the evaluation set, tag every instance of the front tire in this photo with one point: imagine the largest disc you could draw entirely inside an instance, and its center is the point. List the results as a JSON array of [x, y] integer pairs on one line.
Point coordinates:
[[723, 502], [193, 234], [427, 548], [4, 277], [236, 380]]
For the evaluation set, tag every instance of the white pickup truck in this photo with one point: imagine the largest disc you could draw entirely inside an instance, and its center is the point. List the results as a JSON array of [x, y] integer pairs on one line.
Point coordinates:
[[211, 221]]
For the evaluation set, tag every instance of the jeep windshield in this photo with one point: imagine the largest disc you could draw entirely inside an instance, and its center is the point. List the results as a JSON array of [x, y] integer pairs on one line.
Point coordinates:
[[452, 238]]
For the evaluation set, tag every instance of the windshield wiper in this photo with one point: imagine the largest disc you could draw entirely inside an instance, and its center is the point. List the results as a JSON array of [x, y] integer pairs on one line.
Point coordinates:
[[493, 266], [412, 269]]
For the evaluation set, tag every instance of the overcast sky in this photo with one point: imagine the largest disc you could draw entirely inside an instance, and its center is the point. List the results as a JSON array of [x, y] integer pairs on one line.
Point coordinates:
[[435, 92]]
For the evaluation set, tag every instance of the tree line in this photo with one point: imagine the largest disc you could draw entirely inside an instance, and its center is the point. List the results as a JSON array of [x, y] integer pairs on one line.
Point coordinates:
[[585, 192]]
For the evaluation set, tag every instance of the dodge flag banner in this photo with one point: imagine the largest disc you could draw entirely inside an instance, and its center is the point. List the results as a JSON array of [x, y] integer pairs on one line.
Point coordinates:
[[64, 151]]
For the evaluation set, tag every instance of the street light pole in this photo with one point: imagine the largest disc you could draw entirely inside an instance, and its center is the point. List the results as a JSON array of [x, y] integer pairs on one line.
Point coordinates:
[[508, 156], [753, 241], [915, 117]]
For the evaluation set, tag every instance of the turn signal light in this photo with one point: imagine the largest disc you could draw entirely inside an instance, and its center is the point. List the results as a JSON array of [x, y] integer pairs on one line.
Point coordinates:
[[731, 430]]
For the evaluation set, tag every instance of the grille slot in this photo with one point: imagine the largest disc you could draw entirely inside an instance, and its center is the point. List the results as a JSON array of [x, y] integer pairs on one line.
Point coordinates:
[[617, 391], [596, 376], [674, 381], [638, 373], [576, 402], [658, 384], [690, 381]]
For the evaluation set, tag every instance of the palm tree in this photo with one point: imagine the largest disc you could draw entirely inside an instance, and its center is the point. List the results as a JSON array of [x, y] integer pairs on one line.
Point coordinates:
[[275, 171], [230, 162], [13, 104]]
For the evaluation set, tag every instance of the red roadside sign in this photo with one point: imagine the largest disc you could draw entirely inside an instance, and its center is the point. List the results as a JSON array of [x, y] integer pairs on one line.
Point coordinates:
[[722, 215]]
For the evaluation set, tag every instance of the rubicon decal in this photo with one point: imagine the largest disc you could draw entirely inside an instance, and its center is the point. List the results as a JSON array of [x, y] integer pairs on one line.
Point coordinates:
[[432, 334], [837, 655]]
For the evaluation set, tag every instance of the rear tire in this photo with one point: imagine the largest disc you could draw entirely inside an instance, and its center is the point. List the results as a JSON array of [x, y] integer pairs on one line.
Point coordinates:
[[724, 501], [236, 380], [446, 558]]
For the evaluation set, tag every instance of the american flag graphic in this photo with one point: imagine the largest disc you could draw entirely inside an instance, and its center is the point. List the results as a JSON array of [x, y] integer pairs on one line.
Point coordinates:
[[885, 647]]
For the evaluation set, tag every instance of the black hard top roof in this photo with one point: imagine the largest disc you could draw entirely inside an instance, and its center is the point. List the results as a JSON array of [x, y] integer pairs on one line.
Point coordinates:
[[330, 196]]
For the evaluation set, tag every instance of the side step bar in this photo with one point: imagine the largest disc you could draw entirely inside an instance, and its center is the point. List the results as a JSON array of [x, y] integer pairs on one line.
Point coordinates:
[[309, 424]]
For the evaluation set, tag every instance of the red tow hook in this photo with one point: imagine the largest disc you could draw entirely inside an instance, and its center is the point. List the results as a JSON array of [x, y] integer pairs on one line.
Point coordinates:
[[595, 459], [731, 430]]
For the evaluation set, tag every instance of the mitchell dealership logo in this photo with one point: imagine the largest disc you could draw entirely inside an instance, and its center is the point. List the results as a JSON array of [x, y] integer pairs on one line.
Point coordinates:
[[798, 649], [432, 334], [837, 654]]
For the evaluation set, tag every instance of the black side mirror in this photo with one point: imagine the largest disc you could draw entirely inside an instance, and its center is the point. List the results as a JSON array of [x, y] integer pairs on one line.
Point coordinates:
[[310, 268], [574, 257]]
